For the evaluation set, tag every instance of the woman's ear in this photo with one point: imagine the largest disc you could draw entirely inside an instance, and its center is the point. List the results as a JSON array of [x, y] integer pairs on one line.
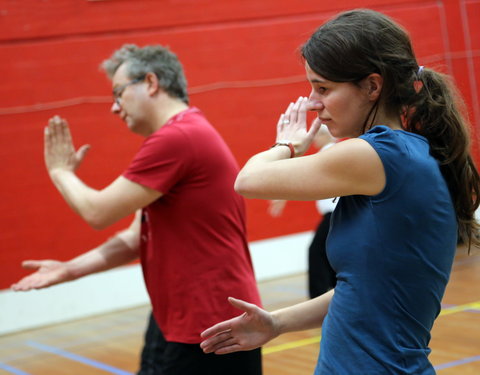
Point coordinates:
[[373, 84]]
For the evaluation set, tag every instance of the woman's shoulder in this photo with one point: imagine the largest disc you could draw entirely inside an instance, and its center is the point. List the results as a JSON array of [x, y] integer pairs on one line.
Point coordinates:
[[385, 132], [380, 132], [383, 138]]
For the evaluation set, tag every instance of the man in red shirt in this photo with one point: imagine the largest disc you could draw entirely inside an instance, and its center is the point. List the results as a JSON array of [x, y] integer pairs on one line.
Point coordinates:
[[189, 228]]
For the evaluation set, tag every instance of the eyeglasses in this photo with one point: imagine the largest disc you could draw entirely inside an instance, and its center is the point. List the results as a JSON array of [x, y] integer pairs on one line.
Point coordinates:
[[118, 91]]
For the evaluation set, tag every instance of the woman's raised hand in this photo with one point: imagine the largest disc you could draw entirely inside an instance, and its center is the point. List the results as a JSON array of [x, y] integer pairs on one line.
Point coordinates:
[[292, 126]]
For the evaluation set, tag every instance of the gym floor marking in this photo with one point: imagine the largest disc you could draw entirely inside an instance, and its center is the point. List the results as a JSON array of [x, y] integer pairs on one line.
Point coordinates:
[[12, 370], [77, 358], [313, 340], [460, 308], [474, 306]]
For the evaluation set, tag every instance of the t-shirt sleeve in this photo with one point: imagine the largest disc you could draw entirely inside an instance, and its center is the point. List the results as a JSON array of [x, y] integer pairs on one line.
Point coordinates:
[[162, 161], [394, 156]]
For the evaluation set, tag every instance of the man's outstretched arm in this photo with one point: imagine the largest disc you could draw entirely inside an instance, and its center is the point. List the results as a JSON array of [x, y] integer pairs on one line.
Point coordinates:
[[116, 251], [99, 208]]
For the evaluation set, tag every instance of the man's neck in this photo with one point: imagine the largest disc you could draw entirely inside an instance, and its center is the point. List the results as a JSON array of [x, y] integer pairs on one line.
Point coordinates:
[[167, 108]]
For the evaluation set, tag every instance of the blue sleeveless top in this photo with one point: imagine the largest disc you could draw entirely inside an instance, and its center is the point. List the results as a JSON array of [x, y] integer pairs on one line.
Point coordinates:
[[393, 254]]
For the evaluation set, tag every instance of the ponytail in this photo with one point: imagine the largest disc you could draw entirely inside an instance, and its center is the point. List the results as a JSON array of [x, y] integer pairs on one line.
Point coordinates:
[[437, 112]]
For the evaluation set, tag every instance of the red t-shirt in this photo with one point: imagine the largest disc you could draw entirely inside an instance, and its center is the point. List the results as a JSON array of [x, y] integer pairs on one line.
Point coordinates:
[[194, 251]]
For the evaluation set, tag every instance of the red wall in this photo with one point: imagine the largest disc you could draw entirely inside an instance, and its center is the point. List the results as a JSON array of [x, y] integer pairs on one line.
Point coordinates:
[[242, 64]]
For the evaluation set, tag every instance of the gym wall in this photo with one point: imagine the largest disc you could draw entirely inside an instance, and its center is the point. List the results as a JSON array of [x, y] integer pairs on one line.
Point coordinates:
[[242, 63]]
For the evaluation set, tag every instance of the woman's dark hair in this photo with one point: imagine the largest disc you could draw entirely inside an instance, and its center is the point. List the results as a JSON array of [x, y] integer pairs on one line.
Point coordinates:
[[360, 42]]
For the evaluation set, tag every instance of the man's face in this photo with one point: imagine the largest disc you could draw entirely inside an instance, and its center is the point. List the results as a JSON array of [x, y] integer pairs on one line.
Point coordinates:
[[128, 95]]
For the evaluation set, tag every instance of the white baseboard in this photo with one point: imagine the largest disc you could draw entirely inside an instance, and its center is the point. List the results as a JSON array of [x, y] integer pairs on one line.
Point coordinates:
[[104, 292], [280, 256], [124, 288]]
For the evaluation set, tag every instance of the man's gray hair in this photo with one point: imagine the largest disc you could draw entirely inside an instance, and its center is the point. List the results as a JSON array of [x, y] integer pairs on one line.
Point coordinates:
[[151, 59]]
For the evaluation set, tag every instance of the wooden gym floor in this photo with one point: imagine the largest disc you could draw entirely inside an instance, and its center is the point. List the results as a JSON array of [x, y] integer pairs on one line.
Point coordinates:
[[111, 343]]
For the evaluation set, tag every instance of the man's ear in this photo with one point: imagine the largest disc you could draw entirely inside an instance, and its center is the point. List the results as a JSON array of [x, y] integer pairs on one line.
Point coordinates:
[[373, 84], [153, 84]]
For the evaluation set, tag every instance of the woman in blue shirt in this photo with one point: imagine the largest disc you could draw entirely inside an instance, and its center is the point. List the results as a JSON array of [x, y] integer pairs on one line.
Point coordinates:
[[407, 184]]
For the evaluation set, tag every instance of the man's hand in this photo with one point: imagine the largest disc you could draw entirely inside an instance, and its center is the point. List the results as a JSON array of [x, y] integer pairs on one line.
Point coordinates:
[[60, 153], [48, 273]]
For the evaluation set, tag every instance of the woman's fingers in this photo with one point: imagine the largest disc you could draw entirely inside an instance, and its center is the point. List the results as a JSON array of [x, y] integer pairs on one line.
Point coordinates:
[[315, 127], [216, 329], [228, 349], [289, 110], [302, 111], [217, 341], [223, 343], [295, 114], [224, 347], [281, 123], [242, 305], [292, 125], [226, 326]]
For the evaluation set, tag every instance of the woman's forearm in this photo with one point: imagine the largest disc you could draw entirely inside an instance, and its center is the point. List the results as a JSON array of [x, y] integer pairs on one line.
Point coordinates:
[[256, 175], [302, 316]]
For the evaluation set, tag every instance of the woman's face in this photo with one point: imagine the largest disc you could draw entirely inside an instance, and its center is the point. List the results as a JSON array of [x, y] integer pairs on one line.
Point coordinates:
[[342, 106]]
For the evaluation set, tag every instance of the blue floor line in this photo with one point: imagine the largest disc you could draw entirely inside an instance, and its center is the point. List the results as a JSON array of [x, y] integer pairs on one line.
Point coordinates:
[[117, 371], [78, 358], [458, 363], [13, 370]]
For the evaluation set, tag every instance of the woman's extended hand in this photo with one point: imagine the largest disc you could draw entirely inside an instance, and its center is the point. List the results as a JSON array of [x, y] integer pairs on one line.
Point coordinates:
[[292, 127], [248, 331]]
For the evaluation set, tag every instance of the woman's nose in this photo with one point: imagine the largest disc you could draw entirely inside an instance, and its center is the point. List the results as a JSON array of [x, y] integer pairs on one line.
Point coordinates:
[[313, 97], [314, 104]]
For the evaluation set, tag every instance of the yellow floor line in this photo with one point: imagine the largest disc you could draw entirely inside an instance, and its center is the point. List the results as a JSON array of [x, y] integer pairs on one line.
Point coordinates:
[[291, 345], [459, 308], [314, 340]]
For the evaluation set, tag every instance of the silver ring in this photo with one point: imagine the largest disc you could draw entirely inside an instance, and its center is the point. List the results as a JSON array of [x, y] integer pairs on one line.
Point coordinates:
[[286, 121]]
